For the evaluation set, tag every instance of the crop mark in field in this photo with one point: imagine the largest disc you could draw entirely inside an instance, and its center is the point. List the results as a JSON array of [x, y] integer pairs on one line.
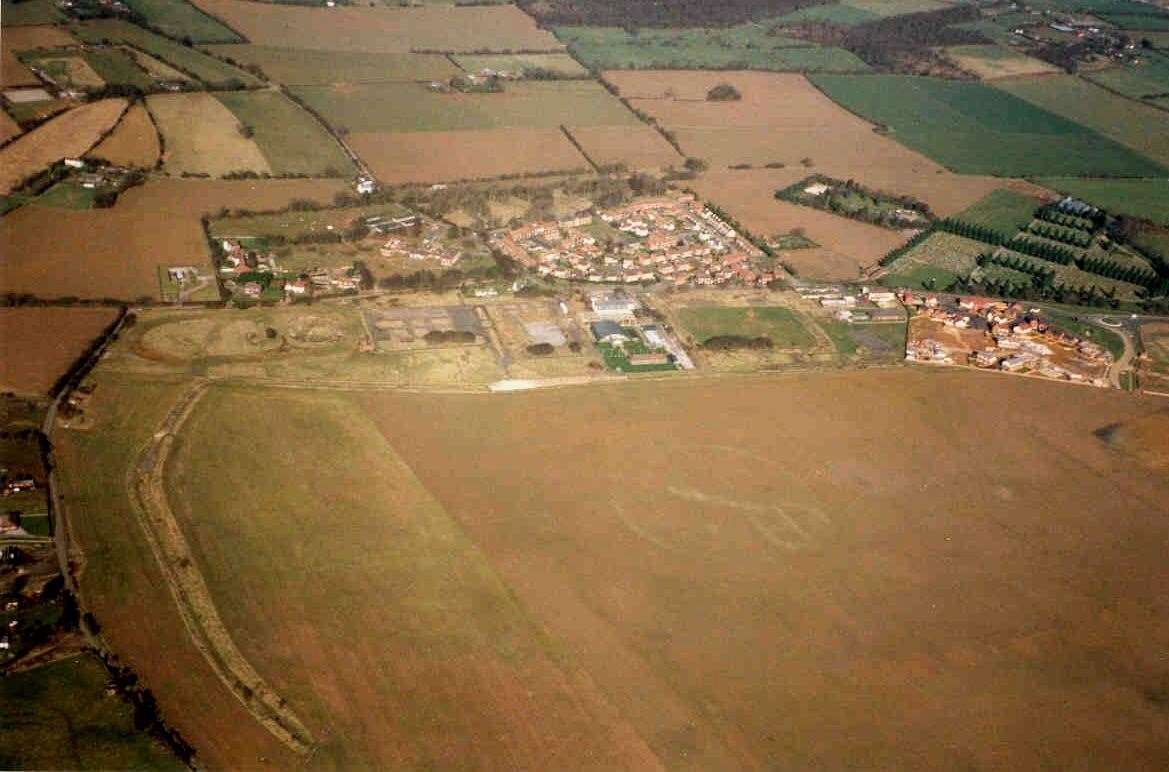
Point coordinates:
[[777, 525], [208, 632]]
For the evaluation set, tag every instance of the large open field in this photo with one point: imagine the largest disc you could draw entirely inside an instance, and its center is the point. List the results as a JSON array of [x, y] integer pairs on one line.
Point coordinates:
[[202, 136], [384, 30], [16, 39], [66, 136], [189, 60], [41, 344], [438, 156], [769, 577], [292, 141], [182, 20], [783, 119], [307, 67], [60, 717], [638, 147], [1144, 129], [134, 142], [1150, 79], [747, 47], [8, 128], [393, 107], [976, 129], [115, 253]]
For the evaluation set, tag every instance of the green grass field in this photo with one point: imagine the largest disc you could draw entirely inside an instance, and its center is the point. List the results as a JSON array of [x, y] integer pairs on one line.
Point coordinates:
[[29, 12], [182, 20], [880, 339], [1140, 127], [975, 129], [747, 46], [206, 68], [67, 194], [783, 326], [115, 66], [292, 141], [1150, 79], [304, 67], [413, 107], [1069, 320], [1147, 198], [59, 717], [1004, 210], [561, 64]]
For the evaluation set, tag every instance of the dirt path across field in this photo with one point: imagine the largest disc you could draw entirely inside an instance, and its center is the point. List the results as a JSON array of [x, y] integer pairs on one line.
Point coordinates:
[[147, 493]]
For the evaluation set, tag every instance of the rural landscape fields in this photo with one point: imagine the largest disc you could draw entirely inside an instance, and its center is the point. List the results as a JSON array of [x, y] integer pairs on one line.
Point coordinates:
[[580, 383]]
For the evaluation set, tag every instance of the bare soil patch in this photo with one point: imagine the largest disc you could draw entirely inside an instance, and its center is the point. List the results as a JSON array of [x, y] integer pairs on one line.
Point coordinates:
[[134, 142], [116, 252], [382, 29], [8, 128], [203, 136], [13, 72], [36, 36], [41, 344], [639, 147], [67, 136], [439, 156]]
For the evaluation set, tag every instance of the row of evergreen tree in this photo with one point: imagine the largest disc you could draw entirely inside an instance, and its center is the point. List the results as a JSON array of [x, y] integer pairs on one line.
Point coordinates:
[[1073, 236], [1016, 263]]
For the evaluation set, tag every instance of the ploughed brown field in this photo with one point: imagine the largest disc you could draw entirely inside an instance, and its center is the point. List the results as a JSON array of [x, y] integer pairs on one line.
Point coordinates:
[[115, 253], [784, 119], [446, 156], [638, 147], [133, 142], [381, 29], [891, 569], [66, 136], [38, 345]]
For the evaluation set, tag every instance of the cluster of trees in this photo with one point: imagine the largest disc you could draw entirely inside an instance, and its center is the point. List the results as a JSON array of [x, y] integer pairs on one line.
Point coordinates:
[[737, 342], [541, 349], [449, 336], [1110, 269], [841, 198], [423, 280], [632, 14], [723, 92], [1053, 215], [1042, 250], [1073, 236], [889, 42], [1058, 293], [1041, 273], [968, 230]]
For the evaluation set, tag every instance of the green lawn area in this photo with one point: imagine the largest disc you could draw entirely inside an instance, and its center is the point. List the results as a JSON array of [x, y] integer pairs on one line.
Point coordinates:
[[783, 326], [975, 129], [68, 194], [192, 61], [181, 20], [1148, 79], [747, 46], [1147, 198], [1004, 210], [59, 717], [526, 104], [292, 141], [884, 339], [1142, 128], [304, 67], [116, 66], [617, 359]]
